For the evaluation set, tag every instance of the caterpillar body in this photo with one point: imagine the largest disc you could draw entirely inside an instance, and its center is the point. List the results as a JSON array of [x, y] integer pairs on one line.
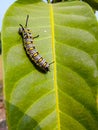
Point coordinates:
[[30, 47]]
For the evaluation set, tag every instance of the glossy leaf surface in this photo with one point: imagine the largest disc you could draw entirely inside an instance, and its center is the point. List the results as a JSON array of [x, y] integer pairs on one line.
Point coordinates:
[[65, 97]]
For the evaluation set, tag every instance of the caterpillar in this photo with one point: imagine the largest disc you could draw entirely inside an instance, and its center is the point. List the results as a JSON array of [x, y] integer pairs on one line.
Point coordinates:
[[30, 49]]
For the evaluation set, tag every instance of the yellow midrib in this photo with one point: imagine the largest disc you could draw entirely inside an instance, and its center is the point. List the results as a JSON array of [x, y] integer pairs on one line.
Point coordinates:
[[54, 57]]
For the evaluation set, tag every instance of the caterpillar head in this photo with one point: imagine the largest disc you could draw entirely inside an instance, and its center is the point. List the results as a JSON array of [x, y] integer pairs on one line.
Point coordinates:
[[21, 29]]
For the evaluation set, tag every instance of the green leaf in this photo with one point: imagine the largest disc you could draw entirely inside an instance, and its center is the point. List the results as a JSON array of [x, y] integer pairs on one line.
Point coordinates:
[[66, 97]]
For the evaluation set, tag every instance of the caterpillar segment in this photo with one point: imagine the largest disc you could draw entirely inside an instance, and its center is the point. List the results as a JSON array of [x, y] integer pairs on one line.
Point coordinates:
[[30, 47]]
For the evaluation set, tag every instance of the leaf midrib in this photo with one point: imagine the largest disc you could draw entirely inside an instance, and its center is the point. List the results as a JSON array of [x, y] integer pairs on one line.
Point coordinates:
[[55, 70]]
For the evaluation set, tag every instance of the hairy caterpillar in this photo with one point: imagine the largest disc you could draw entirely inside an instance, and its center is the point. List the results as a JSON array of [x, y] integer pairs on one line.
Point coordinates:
[[30, 47]]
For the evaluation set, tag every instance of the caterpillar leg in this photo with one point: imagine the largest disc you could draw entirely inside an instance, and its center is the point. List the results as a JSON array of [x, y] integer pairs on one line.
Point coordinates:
[[36, 37], [51, 62]]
